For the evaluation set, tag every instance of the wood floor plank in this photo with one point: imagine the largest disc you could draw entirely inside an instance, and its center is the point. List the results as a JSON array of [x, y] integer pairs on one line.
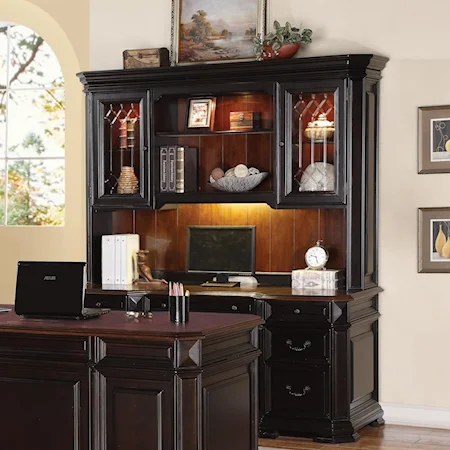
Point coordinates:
[[388, 437]]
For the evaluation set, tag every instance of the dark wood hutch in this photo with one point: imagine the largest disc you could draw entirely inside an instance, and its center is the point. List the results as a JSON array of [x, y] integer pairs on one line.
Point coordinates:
[[329, 389]]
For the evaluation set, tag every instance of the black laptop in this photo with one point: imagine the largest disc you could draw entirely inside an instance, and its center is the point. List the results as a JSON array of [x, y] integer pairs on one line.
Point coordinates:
[[53, 290]]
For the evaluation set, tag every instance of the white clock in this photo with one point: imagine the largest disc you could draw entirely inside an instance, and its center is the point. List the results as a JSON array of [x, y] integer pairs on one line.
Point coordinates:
[[316, 257]]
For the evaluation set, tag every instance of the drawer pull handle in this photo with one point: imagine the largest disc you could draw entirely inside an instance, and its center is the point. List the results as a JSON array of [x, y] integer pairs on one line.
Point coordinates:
[[98, 304], [306, 344], [296, 311], [306, 389], [163, 305], [234, 308]]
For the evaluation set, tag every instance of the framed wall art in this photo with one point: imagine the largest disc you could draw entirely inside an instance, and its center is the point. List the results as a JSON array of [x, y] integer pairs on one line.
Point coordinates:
[[434, 139], [434, 240], [205, 31], [201, 113]]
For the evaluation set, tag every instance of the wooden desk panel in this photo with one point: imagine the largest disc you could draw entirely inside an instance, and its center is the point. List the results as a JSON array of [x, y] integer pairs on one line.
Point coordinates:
[[150, 383]]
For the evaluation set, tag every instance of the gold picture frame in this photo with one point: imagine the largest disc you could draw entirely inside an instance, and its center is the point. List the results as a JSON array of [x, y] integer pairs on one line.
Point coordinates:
[[201, 113], [205, 32], [433, 236], [434, 139]]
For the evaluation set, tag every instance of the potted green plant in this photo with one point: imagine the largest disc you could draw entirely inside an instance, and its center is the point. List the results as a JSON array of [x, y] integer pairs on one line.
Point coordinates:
[[282, 42]]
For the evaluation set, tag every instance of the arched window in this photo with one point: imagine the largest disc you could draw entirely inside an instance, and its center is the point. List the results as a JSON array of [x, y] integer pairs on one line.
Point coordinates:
[[32, 134]]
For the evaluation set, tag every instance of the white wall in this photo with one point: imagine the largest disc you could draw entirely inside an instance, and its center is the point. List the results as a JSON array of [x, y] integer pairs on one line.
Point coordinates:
[[64, 26], [414, 353]]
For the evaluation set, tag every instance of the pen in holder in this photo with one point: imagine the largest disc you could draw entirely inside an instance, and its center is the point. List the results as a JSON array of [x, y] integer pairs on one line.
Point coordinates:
[[179, 306]]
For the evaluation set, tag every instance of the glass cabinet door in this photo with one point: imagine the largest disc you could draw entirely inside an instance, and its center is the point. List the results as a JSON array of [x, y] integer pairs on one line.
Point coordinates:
[[311, 146], [120, 151]]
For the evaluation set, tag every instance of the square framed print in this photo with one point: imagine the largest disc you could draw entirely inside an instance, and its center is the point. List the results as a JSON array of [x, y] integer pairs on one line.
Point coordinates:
[[434, 139], [201, 113], [205, 31], [434, 240]]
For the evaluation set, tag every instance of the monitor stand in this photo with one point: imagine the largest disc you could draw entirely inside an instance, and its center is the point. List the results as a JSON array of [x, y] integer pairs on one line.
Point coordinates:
[[221, 281]]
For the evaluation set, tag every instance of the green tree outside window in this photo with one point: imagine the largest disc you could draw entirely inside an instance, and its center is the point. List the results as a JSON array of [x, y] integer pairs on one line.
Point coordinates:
[[32, 130]]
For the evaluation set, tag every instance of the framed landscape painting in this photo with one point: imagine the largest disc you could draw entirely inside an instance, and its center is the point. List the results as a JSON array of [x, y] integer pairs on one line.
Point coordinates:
[[434, 139], [434, 240], [205, 31]]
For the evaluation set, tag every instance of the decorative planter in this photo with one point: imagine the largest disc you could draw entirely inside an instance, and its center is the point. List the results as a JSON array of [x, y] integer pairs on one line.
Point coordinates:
[[284, 52]]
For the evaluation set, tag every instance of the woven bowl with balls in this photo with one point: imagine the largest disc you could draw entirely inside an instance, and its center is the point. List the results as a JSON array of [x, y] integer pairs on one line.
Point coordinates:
[[237, 179]]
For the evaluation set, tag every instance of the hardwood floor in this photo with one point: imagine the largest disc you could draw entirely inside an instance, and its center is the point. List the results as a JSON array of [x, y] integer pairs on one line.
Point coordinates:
[[387, 437]]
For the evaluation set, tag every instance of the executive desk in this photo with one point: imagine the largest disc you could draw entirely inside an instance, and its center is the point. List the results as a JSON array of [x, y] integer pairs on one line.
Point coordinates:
[[318, 372], [114, 383]]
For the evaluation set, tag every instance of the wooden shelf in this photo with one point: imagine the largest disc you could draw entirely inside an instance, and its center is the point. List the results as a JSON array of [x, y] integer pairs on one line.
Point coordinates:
[[316, 142], [216, 197], [212, 133]]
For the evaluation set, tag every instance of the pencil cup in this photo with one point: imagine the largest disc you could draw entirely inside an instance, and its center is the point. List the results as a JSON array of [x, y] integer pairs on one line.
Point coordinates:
[[179, 308]]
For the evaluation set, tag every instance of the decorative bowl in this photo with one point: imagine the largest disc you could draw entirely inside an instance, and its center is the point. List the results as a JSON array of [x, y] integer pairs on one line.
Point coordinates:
[[284, 52], [235, 184], [320, 128]]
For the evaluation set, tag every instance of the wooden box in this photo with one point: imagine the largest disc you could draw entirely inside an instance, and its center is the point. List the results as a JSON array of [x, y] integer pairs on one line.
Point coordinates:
[[245, 120], [150, 57]]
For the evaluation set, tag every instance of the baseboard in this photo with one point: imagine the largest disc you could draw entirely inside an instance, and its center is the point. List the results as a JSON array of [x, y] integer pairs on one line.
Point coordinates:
[[416, 416]]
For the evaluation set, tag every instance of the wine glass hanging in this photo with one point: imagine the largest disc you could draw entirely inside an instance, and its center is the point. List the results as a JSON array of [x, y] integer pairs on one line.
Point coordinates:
[[314, 141]]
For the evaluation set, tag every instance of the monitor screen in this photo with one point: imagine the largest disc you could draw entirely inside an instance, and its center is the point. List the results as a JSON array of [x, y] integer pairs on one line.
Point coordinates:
[[221, 249]]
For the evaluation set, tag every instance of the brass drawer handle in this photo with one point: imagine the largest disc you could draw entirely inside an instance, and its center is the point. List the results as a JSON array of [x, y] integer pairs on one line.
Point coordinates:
[[306, 344], [306, 389]]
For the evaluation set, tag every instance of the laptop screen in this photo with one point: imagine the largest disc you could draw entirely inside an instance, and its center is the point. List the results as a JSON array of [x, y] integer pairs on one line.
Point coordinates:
[[50, 288]]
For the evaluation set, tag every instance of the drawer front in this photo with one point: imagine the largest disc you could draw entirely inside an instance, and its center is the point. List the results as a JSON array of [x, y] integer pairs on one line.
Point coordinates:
[[299, 312], [113, 301], [158, 302], [239, 305], [25, 347], [301, 392], [300, 345]]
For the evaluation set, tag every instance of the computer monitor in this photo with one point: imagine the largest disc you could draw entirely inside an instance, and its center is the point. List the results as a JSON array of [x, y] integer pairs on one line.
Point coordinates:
[[222, 250]]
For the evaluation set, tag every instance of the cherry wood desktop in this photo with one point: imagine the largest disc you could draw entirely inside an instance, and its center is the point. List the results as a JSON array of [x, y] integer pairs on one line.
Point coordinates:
[[117, 383]]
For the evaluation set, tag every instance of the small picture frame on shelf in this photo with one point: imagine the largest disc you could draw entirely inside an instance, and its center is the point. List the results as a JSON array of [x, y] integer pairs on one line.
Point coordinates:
[[201, 113], [434, 240], [434, 139]]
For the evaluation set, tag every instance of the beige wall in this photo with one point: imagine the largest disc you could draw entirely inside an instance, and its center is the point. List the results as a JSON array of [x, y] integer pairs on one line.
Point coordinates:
[[65, 27]]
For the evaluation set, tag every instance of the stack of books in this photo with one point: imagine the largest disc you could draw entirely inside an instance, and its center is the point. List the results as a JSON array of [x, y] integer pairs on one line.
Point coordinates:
[[178, 169], [318, 279], [119, 258]]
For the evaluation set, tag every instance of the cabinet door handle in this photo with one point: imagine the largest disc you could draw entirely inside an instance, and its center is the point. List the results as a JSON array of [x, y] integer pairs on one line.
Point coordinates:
[[306, 389], [306, 344], [281, 144], [234, 308], [163, 305], [144, 149]]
